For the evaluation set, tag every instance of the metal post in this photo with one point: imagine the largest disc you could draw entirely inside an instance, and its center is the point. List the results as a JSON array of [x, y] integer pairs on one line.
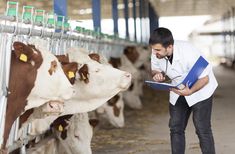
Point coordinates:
[[60, 7], [134, 17], [141, 15], [126, 16], [115, 16], [153, 18], [96, 15]]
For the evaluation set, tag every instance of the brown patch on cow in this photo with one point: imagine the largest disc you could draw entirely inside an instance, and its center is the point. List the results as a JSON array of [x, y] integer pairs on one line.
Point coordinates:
[[93, 122], [83, 72], [63, 59], [131, 87], [24, 117], [116, 111], [53, 67], [95, 57], [115, 62], [131, 53], [60, 124], [70, 70], [21, 82], [112, 102]]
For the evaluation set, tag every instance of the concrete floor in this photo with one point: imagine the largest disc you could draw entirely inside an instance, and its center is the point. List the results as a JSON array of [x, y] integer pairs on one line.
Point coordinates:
[[146, 130]]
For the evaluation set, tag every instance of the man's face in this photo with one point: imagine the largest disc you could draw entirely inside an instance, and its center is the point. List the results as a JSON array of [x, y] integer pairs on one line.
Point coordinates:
[[160, 51]]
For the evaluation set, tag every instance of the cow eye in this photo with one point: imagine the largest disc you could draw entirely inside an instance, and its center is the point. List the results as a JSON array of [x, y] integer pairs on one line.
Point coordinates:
[[76, 136]]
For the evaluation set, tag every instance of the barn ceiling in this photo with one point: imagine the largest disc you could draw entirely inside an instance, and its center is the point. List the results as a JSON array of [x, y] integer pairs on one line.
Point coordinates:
[[191, 7], [81, 9]]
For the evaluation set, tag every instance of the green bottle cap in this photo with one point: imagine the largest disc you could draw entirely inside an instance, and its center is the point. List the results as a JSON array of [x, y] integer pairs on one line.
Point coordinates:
[[78, 29], [50, 19], [39, 16], [60, 20], [12, 8], [66, 25], [27, 13]]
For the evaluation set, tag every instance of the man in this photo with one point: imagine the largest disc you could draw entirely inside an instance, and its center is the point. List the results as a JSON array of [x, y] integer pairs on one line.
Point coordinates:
[[173, 59]]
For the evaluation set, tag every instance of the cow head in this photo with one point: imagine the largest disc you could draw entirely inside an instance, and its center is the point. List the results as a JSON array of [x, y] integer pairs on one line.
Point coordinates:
[[113, 111], [51, 82], [74, 133], [104, 82]]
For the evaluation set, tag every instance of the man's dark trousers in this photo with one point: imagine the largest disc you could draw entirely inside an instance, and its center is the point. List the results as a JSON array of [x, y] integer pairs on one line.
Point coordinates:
[[179, 115]]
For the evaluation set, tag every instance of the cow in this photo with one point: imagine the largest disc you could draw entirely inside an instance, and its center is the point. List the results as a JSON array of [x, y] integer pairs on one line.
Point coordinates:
[[72, 134], [36, 77], [132, 95], [95, 84], [140, 58]]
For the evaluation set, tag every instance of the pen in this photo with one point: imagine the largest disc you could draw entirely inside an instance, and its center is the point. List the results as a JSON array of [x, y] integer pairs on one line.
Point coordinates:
[[172, 78]]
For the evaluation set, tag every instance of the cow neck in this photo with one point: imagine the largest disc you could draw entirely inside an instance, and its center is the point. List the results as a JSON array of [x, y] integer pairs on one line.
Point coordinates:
[[21, 82]]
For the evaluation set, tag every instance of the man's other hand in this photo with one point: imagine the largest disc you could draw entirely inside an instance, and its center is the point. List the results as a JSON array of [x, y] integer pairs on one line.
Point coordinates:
[[159, 77]]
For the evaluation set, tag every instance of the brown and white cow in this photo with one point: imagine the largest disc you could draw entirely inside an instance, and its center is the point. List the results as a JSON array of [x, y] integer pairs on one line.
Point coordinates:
[[36, 77], [132, 95], [93, 86], [73, 136], [74, 133], [140, 58]]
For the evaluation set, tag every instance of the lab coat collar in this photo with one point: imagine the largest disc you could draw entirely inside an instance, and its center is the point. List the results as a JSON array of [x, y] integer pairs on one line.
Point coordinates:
[[176, 56]]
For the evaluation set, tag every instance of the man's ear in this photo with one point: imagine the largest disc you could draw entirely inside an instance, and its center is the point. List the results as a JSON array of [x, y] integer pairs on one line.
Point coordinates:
[[170, 46]]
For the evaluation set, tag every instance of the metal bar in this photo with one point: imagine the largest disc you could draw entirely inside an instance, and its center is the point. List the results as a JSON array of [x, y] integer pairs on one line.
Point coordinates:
[[36, 32], [134, 17], [6, 49], [153, 19], [115, 16], [126, 15], [140, 16]]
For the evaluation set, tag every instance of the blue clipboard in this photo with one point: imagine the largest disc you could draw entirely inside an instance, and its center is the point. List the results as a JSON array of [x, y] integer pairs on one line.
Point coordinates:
[[189, 80]]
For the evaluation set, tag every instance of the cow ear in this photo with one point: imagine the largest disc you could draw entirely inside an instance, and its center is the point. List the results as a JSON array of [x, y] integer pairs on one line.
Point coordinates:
[[63, 59], [70, 70], [22, 51], [93, 122], [64, 134], [95, 57]]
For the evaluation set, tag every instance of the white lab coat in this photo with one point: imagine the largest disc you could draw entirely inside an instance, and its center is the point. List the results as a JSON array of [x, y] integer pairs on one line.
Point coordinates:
[[184, 57]]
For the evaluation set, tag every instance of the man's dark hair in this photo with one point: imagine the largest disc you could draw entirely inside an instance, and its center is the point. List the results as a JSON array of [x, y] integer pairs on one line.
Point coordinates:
[[162, 36]]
